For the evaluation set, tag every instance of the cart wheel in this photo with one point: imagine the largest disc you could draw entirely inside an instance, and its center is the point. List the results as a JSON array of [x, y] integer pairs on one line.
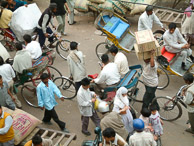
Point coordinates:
[[63, 48], [68, 87], [163, 78], [158, 34], [103, 48], [28, 92]]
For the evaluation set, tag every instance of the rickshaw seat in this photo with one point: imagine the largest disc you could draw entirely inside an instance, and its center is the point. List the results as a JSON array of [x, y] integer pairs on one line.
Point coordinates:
[[116, 26], [169, 56]]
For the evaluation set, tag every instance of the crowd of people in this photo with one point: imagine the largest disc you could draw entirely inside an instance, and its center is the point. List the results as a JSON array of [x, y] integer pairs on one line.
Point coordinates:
[[119, 127]]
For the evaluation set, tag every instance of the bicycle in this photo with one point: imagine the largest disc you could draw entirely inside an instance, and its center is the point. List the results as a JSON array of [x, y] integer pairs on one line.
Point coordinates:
[[170, 108]]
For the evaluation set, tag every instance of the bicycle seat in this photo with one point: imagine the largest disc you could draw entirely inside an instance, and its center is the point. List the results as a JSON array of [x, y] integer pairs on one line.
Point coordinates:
[[169, 56]]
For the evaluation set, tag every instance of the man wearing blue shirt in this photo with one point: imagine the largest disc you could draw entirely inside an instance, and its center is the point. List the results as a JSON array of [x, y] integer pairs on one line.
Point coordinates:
[[46, 100], [14, 4]]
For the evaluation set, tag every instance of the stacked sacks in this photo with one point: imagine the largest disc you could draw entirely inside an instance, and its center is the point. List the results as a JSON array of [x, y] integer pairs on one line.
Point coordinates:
[[81, 5], [119, 8], [93, 6]]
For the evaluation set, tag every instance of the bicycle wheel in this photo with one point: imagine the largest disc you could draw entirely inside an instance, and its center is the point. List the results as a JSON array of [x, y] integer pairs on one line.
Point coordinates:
[[54, 73], [28, 92], [163, 78], [158, 34], [63, 48], [68, 87], [103, 48], [169, 110]]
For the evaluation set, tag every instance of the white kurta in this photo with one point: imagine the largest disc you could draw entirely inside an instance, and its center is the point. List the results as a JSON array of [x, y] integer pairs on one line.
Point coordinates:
[[84, 99], [121, 61], [109, 75], [146, 22], [34, 49], [142, 139], [6, 71], [77, 69], [119, 103], [22, 61]]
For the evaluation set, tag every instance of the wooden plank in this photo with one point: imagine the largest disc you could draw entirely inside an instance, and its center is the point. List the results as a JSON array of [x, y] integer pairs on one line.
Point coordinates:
[[169, 17], [53, 135], [59, 140], [176, 17], [44, 134], [69, 139], [161, 15]]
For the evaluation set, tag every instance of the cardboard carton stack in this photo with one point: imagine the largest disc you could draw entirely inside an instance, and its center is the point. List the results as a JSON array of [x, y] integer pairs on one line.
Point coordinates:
[[145, 43]]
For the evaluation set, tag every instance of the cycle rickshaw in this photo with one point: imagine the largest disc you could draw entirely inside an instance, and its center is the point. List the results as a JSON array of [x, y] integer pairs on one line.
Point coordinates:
[[117, 30], [30, 78]]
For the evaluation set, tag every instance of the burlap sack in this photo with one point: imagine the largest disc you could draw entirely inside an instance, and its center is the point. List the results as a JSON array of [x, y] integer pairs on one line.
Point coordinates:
[[126, 4], [93, 6], [97, 1], [23, 124], [119, 8], [107, 5], [137, 8], [81, 5], [5, 109]]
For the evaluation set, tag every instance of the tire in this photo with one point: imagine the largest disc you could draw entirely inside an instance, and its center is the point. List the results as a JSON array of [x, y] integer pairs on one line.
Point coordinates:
[[163, 78], [52, 72], [68, 87], [28, 92], [62, 48], [102, 48], [158, 34], [168, 108]]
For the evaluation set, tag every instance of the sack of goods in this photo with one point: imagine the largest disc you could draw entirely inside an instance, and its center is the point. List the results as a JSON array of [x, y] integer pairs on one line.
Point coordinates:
[[138, 8], [25, 20], [127, 4], [3, 52], [81, 5], [97, 1], [107, 5], [117, 6], [146, 43], [93, 6]]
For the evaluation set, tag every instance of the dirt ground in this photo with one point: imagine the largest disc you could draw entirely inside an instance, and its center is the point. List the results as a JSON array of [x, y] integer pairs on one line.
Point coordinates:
[[83, 32]]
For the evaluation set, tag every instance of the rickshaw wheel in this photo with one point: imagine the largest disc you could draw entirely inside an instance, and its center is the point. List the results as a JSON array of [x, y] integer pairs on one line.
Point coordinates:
[[63, 48], [28, 92], [163, 78], [102, 48]]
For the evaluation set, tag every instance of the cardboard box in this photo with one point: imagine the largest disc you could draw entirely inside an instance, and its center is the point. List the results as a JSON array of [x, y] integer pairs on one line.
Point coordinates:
[[145, 40], [146, 55]]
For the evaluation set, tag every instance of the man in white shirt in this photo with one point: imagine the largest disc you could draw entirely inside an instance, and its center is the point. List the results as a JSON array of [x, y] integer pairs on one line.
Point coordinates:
[[111, 138], [147, 19], [109, 75], [22, 60], [150, 80], [140, 137], [120, 60], [86, 100], [76, 64], [175, 43], [8, 74], [32, 47]]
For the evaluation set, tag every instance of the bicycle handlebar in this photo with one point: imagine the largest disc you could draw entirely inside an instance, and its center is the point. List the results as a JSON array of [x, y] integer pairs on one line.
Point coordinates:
[[180, 90]]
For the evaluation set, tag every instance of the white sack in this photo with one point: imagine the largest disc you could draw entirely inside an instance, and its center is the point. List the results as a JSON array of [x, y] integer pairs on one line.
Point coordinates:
[[24, 20]]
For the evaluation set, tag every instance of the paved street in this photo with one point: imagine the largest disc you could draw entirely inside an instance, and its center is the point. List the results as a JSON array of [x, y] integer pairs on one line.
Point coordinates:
[[83, 32]]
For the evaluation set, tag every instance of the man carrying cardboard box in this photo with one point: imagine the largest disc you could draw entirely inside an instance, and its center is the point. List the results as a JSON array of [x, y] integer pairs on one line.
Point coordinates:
[[175, 43], [150, 80]]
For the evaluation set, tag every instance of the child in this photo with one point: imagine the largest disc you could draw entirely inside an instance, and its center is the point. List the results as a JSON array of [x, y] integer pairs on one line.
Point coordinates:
[[145, 114], [156, 122]]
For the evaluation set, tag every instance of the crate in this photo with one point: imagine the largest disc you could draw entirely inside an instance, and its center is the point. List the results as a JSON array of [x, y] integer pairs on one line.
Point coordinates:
[[145, 40], [146, 55]]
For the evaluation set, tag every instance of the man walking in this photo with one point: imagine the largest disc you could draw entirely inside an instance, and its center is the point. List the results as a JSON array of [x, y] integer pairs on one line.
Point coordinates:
[[60, 15], [86, 99], [46, 100], [76, 64], [189, 99]]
